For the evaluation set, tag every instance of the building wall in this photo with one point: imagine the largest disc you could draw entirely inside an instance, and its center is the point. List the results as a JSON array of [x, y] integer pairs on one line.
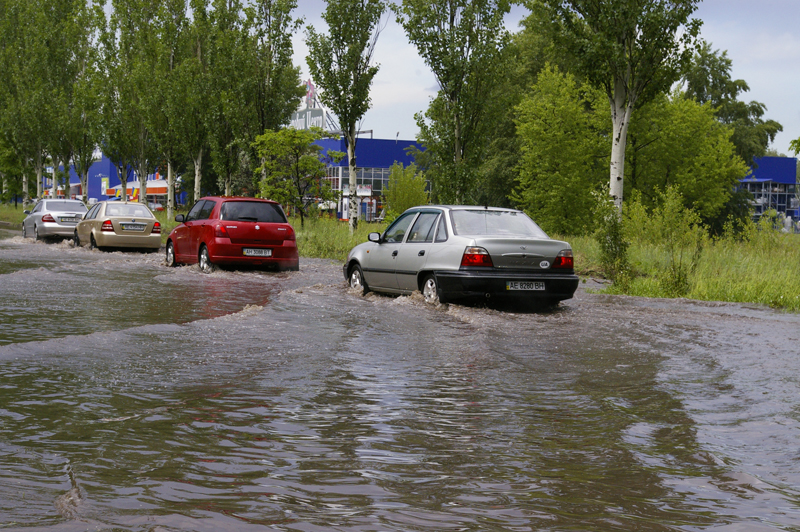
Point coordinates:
[[773, 183]]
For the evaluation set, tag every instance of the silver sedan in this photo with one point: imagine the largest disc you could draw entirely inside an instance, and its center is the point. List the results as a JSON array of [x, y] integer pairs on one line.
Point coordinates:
[[455, 252], [53, 217]]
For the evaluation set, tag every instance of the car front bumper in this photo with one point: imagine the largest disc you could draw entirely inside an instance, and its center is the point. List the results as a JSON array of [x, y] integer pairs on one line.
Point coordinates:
[[465, 284]]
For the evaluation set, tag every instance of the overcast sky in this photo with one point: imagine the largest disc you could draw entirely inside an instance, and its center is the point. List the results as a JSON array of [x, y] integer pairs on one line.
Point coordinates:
[[760, 36]]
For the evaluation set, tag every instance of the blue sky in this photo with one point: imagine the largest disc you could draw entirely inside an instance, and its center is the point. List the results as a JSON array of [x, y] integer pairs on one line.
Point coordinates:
[[762, 38]]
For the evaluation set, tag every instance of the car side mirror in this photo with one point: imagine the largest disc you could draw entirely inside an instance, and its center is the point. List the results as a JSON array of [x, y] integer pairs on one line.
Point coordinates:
[[179, 218], [26, 212], [374, 237]]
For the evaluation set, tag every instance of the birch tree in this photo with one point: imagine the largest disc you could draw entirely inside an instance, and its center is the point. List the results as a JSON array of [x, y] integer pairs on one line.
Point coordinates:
[[341, 64], [632, 50]]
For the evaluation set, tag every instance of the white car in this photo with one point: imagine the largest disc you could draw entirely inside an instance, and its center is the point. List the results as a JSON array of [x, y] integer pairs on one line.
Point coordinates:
[[454, 252], [53, 217]]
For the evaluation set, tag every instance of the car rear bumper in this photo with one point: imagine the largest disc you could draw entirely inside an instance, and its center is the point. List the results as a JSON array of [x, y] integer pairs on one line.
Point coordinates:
[[56, 229], [222, 252], [463, 284], [113, 240]]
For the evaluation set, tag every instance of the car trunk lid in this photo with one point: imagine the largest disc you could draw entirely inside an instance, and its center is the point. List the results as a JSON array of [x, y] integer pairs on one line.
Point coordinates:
[[521, 253]]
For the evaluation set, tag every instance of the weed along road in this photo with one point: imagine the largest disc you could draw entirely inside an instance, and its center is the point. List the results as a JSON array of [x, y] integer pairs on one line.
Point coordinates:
[[139, 397]]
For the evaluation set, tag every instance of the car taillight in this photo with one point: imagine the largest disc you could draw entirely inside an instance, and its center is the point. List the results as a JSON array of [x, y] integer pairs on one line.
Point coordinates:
[[221, 231], [48, 218], [156, 228], [107, 226], [475, 256], [564, 260]]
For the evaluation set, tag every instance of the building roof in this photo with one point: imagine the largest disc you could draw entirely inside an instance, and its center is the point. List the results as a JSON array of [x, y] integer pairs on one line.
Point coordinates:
[[773, 169]]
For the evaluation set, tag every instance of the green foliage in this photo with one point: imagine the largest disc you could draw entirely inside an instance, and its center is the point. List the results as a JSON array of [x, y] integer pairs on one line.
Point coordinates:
[[462, 42], [674, 230], [708, 79], [328, 238], [293, 169], [676, 142], [406, 188], [611, 240], [564, 142]]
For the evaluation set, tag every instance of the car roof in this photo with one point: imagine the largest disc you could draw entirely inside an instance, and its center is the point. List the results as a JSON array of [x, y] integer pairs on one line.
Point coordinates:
[[238, 198], [465, 208]]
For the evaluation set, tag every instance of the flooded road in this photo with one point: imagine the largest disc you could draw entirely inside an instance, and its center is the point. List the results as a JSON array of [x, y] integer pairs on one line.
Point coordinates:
[[137, 397]]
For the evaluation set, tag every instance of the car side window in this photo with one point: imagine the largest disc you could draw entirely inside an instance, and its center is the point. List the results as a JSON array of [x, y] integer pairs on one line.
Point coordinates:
[[92, 214], [398, 229], [422, 230], [205, 212], [195, 210], [441, 230], [38, 207]]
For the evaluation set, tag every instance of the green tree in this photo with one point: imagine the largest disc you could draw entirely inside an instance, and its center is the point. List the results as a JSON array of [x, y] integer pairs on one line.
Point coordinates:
[[407, 187], [341, 64], [293, 168], [677, 142], [462, 42], [632, 50], [708, 79], [564, 143]]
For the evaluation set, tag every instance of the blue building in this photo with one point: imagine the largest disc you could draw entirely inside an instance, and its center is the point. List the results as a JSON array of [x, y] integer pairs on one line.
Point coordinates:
[[374, 158], [773, 184], [103, 183]]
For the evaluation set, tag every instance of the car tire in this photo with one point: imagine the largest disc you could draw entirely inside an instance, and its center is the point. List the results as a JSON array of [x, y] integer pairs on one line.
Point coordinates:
[[356, 280], [76, 239], [36, 233], [169, 260], [430, 290], [24, 232], [204, 260], [92, 242]]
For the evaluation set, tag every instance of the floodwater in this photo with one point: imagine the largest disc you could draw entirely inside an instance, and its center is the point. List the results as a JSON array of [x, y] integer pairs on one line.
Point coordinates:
[[137, 397]]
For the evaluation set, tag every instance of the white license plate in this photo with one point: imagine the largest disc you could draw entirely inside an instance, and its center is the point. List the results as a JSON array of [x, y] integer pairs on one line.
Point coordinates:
[[133, 227], [67, 219], [524, 285], [257, 252]]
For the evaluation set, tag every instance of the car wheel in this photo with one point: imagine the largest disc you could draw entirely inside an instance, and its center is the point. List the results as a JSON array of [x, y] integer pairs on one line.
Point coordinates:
[[204, 260], [92, 242], [170, 258], [356, 280], [430, 290], [76, 239], [24, 232], [36, 233]]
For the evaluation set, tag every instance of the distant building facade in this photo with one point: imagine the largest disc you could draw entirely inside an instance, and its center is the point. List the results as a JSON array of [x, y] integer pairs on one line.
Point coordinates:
[[773, 184]]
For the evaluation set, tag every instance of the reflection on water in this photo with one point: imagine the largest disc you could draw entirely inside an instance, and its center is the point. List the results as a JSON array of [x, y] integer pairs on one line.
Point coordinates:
[[309, 408]]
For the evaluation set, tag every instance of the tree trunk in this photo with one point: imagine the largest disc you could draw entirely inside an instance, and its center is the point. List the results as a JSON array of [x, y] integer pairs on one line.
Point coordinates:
[[142, 183], [620, 117], [198, 162], [39, 166], [54, 189], [352, 204], [85, 186], [170, 191]]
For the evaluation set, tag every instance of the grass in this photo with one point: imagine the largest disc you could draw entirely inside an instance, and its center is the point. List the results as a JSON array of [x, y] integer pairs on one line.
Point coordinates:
[[763, 270], [329, 238], [11, 214]]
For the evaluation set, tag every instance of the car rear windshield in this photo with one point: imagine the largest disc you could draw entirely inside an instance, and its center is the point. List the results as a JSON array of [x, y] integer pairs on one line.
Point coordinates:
[[495, 223], [252, 211], [65, 206], [137, 211]]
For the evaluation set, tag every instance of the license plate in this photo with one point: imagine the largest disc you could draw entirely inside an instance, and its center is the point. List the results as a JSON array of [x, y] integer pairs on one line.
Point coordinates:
[[257, 252], [133, 227], [68, 219], [524, 285]]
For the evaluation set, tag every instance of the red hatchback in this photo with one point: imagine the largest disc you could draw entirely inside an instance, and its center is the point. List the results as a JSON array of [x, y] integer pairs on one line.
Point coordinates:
[[233, 231]]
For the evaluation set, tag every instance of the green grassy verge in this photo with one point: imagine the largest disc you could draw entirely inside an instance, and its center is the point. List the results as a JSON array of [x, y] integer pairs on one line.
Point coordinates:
[[327, 238], [12, 215]]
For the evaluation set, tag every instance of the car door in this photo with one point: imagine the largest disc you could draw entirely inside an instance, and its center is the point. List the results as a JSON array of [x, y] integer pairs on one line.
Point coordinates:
[[199, 232], [381, 270], [85, 226], [413, 254], [182, 234]]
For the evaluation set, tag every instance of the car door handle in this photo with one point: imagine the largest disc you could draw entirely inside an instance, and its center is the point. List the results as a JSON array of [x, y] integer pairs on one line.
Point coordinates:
[[394, 253], [421, 253]]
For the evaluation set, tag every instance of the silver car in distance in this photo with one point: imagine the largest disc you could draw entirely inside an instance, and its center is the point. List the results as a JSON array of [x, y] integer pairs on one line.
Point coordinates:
[[53, 217], [458, 252]]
